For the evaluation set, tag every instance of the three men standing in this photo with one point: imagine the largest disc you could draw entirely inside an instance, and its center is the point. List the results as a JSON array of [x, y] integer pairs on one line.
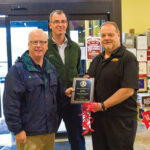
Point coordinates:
[[34, 95]]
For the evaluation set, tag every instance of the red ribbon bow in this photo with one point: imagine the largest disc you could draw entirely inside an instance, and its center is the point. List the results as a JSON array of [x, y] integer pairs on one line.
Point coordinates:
[[86, 109]]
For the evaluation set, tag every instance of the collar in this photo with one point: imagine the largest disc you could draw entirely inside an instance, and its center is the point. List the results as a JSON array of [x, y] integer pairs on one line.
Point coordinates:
[[30, 65], [69, 41], [37, 66], [117, 52], [65, 41]]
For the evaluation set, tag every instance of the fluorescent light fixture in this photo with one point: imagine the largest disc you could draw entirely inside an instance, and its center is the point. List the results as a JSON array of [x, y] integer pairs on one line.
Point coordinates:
[[2, 16]]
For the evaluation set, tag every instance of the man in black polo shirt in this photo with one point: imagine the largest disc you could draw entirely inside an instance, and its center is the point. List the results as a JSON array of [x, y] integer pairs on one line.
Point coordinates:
[[116, 81]]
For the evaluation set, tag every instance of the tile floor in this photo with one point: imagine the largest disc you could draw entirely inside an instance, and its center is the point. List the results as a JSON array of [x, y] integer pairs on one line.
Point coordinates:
[[142, 141]]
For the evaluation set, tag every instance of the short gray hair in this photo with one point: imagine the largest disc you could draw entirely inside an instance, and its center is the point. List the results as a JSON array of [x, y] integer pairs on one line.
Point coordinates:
[[58, 12], [112, 23], [37, 31]]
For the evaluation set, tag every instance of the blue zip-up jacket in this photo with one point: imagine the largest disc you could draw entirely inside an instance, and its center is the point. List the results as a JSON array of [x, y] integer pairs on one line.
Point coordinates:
[[32, 99]]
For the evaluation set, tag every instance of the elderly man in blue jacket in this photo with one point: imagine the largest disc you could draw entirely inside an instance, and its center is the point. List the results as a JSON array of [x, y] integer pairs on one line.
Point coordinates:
[[34, 97]]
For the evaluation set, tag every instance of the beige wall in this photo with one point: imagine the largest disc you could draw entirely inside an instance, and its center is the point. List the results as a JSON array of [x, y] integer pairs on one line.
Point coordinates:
[[135, 14]]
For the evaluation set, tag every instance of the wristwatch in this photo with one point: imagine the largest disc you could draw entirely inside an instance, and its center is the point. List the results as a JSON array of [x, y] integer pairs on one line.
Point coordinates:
[[103, 106]]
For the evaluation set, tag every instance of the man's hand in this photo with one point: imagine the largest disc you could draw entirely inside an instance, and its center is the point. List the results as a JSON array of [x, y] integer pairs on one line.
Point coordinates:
[[21, 137], [98, 106], [69, 91], [86, 76]]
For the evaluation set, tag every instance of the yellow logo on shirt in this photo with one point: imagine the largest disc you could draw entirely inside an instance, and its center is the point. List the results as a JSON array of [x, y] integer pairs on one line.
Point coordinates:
[[115, 60]]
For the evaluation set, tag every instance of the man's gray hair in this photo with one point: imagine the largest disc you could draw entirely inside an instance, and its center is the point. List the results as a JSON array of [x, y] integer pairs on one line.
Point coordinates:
[[37, 31], [58, 12], [112, 23]]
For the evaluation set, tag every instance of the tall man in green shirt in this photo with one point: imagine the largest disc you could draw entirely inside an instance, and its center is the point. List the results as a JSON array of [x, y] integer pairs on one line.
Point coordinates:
[[65, 55]]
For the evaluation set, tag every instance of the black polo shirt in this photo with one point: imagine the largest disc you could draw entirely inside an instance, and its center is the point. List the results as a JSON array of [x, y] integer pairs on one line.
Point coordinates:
[[120, 70]]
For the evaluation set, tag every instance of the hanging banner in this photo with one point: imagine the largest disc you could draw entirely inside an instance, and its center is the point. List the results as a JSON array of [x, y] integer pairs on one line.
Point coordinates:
[[93, 47]]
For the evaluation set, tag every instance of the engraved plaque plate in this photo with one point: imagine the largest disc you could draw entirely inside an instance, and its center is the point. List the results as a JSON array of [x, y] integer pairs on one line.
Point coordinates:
[[84, 89]]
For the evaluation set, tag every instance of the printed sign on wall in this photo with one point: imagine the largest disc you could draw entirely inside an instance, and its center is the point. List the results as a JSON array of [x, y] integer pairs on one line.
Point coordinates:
[[93, 47]]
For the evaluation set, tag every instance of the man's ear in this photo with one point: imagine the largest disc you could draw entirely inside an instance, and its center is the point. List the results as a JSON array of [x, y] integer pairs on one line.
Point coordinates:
[[28, 45], [119, 34], [50, 24], [46, 46], [67, 24]]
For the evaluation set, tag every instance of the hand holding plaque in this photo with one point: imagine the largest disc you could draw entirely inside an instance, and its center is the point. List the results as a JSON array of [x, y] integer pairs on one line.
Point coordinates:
[[84, 89]]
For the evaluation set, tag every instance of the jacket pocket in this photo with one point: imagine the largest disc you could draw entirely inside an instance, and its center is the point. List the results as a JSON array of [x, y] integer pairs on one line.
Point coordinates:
[[33, 83]]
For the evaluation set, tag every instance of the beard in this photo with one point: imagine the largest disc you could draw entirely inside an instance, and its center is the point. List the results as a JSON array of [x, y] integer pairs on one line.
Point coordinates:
[[108, 47]]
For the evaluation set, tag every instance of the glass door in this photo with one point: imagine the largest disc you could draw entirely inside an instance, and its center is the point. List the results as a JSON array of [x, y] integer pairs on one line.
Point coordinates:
[[79, 31], [3, 60], [19, 35], [3, 64]]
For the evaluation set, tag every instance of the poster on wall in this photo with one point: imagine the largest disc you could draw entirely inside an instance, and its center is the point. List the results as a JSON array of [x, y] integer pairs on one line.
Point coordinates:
[[93, 47]]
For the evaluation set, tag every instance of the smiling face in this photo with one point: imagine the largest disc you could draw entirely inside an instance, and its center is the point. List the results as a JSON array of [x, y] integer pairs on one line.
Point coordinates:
[[58, 24], [37, 44], [110, 37]]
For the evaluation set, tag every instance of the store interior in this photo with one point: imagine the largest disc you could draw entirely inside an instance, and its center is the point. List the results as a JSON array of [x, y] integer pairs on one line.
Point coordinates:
[[17, 19]]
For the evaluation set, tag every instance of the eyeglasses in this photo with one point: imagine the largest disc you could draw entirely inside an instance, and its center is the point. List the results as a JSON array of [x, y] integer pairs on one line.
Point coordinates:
[[56, 22], [35, 43]]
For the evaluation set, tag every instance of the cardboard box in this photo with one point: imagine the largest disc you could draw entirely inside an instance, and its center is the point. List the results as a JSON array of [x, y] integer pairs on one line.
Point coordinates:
[[141, 55], [141, 42], [129, 40], [147, 33], [142, 68], [132, 50], [148, 68]]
